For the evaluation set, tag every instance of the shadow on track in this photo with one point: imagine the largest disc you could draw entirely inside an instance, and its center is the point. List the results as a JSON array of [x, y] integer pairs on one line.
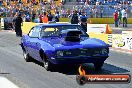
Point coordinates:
[[89, 69]]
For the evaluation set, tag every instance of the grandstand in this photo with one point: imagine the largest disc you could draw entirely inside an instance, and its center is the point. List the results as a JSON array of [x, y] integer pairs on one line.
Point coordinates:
[[75, 2], [93, 8], [98, 2]]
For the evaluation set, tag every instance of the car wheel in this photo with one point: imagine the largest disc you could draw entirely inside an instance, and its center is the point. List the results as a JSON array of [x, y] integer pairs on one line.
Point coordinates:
[[98, 66], [47, 64], [26, 56]]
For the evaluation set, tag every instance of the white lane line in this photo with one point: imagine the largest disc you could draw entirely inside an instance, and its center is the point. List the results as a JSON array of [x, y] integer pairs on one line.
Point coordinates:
[[5, 83]]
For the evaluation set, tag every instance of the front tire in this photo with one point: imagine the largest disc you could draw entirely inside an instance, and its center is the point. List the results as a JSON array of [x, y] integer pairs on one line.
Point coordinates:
[[47, 64], [26, 56]]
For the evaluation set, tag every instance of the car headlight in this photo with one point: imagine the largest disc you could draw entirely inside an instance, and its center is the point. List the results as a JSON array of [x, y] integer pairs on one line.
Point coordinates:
[[60, 53], [104, 51]]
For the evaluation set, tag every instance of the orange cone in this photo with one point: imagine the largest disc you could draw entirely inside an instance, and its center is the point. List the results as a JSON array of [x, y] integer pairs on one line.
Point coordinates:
[[108, 29]]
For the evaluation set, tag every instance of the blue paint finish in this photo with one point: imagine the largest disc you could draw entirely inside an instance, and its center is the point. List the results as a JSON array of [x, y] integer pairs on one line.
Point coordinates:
[[50, 45], [79, 60]]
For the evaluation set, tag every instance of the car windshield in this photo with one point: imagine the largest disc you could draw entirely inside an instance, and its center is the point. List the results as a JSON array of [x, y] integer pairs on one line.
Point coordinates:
[[57, 30]]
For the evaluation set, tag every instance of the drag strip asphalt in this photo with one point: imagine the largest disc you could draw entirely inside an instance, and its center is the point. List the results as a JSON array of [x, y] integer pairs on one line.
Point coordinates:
[[33, 75]]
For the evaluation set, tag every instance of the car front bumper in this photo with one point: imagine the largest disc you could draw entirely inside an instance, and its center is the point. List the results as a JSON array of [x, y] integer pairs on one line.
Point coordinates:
[[78, 60]]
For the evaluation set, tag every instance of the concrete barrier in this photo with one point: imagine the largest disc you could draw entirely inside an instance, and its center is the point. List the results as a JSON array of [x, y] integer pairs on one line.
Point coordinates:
[[117, 41], [98, 20], [101, 36], [127, 32], [122, 41], [105, 20], [27, 26], [99, 28]]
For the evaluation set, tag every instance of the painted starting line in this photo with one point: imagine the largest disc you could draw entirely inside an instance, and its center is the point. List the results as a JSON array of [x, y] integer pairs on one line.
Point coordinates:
[[5, 83]]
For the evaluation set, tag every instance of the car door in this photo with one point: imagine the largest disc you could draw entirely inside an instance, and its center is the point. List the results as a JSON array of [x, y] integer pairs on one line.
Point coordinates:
[[34, 44]]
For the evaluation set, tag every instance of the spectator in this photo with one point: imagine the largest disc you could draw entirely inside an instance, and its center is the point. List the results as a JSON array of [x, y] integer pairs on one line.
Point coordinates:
[[87, 2], [7, 2], [27, 17], [33, 2], [119, 16], [101, 12], [17, 22], [70, 16], [63, 2], [28, 1], [19, 1], [41, 18], [79, 12], [45, 18], [115, 15], [33, 17], [68, 12], [74, 18], [57, 16], [1, 2], [36, 20], [50, 17], [96, 12], [83, 20], [124, 17]]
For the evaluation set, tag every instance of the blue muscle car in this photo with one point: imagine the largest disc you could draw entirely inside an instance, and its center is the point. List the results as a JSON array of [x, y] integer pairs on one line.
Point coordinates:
[[66, 44]]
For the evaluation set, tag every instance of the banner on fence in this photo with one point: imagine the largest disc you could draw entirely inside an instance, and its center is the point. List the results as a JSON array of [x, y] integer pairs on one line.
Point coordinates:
[[122, 41]]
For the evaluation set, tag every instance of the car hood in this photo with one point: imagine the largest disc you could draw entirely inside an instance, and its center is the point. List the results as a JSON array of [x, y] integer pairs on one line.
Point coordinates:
[[60, 43]]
